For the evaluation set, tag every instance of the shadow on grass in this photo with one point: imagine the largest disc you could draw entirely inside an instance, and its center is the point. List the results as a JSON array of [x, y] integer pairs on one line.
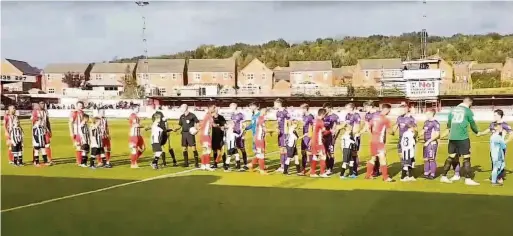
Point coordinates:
[[191, 205], [148, 158]]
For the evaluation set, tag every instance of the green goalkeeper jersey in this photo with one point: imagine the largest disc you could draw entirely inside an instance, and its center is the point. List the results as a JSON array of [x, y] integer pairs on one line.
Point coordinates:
[[459, 119]]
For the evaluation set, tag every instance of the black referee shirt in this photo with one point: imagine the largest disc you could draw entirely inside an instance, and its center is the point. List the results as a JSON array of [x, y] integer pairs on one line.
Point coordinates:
[[187, 121], [220, 121]]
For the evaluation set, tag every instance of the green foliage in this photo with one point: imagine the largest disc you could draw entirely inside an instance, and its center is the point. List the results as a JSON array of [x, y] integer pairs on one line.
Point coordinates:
[[364, 92], [488, 80], [75, 80], [131, 88], [483, 48]]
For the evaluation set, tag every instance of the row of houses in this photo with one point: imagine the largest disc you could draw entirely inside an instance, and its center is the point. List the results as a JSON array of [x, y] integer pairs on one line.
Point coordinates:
[[170, 77]]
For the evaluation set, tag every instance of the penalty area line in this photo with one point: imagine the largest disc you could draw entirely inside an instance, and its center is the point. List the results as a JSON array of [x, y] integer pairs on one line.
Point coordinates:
[[105, 189]]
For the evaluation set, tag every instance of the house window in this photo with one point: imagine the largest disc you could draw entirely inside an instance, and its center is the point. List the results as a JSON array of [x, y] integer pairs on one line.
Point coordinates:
[[162, 91], [98, 77], [48, 77], [310, 76], [63, 91], [250, 77], [197, 76], [144, 76], [443, 73], [162, 76], [225, 76], [174, 76], [325, 75], [214, 76], [264, 76], [51, 90], [367, 74]]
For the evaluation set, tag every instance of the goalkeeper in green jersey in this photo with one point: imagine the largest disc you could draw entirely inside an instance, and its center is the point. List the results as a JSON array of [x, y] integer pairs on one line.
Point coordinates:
[[460, 117]]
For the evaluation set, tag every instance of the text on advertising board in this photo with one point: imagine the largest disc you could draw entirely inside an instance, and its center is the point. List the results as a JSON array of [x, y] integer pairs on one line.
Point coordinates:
[[422, 88], [14, 77]]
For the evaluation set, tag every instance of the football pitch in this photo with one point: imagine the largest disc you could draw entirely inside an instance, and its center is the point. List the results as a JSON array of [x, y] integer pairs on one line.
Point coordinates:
[[68, 200]]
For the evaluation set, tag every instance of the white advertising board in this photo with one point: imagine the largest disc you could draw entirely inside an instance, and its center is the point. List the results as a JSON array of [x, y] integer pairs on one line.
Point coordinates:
[[427, 74], [423, 88]]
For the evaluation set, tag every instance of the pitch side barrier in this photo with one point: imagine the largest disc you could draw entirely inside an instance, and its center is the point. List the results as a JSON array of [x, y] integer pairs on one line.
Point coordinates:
[[295, 114]]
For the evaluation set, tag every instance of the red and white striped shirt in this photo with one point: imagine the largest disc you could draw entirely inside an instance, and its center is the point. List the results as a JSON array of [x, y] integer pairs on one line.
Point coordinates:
[[43, 116], [206, 125], [134, 123], [379, 127], [9, 120], [76, 118], [260, 128], [104, 128]]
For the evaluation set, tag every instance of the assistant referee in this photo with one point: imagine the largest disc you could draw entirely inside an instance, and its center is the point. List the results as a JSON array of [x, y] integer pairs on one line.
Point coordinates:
[[186, 122]]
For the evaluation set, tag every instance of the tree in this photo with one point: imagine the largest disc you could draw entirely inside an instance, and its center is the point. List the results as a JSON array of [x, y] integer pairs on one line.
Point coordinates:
[[131, 87], [492, 47], [75, 80], [486, 80]]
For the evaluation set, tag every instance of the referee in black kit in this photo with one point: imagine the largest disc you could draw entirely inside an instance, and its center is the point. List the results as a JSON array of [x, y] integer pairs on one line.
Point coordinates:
[[218, 137], [186, 122]]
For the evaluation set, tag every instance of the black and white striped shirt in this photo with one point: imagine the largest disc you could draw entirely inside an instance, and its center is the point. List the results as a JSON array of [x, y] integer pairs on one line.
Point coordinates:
[[157, 132], [38, 135], [85, 137], [97, 137], [229, 139], [16, 135]]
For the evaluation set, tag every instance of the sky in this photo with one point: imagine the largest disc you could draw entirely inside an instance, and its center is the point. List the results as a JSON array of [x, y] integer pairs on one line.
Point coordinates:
[[82, 32]]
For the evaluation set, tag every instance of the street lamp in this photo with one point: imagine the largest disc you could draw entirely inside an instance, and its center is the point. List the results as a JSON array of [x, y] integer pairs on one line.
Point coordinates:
[[145, 45]]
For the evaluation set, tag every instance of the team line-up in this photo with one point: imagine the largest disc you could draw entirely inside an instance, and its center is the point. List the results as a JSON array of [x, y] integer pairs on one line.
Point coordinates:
[[225, 138]]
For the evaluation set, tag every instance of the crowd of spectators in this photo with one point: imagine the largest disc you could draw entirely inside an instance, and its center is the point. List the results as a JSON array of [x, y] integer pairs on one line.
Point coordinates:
[[91, 105]]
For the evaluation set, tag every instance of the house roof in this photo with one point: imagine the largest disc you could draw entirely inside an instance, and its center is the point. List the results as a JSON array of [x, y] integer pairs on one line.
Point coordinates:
[[487, 66], [461, 64], [162, 65], [211, 65], [435, 56], [344, 71], [24, 67], [66, 67], [310, 65], [112, 67], [255, 62], [281, 75], [378, 64]]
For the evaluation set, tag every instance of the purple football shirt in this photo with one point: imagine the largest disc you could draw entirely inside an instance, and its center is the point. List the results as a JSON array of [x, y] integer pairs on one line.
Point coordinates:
[[403, 121], [308, 121], [430, 126], [237, 119]]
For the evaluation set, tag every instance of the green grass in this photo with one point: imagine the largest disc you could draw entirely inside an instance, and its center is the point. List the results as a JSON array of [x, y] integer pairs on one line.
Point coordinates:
[[217, 203]]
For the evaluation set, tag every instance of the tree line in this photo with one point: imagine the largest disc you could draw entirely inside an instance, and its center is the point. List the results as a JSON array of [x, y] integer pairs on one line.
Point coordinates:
[[492, 47]]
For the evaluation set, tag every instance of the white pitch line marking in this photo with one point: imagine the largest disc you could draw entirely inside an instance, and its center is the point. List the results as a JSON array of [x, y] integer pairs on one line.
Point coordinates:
[[104, 189], [98, 190]]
